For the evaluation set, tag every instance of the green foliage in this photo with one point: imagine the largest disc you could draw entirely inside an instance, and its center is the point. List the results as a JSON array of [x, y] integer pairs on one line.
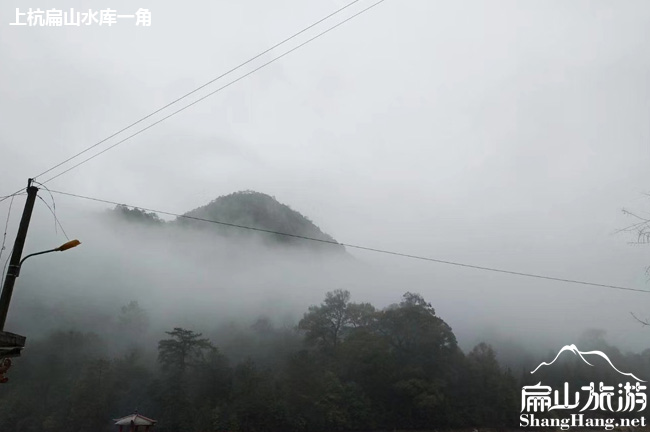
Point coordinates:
[[491, 397], [335, 319], [248, 209], [185, 348], [350, 367], [136, 215], [259, 210], [133, 319], [326, 324]]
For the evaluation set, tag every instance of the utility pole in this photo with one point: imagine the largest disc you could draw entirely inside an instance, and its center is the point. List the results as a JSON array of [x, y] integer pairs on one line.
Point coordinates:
[[14, 263]]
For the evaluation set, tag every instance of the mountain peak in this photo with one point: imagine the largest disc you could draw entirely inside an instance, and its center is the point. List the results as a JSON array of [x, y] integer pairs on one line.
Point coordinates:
[[264, 212]]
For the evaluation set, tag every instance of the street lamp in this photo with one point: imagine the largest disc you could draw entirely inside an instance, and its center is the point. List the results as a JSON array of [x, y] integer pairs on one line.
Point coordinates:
[[63, 247], [13, 273], [12, 344]]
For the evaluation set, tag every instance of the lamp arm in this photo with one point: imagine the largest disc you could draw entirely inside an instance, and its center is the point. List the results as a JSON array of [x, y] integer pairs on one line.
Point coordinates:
[[34, 254]]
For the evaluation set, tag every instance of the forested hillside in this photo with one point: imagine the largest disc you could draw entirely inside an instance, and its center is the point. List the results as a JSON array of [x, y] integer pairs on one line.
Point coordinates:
[[246, 209], [345, 366]]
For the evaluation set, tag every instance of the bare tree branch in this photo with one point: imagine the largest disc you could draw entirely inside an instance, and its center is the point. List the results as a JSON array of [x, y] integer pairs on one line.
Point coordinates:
[[645, 322]]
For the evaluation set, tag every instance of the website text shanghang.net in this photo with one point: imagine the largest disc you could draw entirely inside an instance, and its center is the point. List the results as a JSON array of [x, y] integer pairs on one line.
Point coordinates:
[[579, 420]]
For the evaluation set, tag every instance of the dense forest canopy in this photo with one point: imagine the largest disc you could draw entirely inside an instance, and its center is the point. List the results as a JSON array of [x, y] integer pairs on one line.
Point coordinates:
[[344, 366]]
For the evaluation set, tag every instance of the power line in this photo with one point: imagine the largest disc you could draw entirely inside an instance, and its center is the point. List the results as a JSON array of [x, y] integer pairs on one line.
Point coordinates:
[[52, 210], [56, 219], [208, 83], [352, 246], [200, 87], [4, 236], [4, 267], [6, 197]]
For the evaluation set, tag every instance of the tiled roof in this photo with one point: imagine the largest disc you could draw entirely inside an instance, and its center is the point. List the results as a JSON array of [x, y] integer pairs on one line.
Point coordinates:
[[136, 419]]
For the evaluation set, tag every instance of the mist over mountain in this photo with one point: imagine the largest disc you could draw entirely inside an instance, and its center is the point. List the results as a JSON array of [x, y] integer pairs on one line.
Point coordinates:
[[361, 359], [247, 209], [340, 217]]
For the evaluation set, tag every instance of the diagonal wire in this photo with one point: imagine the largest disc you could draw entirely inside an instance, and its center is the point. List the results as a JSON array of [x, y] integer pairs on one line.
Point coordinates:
[[202, 86], [4, 236], [217, 90], [6, 197], [382, 251], [52, 209], [4, 268], [56, 219]]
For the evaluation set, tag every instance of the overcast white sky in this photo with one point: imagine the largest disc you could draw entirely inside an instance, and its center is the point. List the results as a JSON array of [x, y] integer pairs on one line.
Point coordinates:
[[498, 133]]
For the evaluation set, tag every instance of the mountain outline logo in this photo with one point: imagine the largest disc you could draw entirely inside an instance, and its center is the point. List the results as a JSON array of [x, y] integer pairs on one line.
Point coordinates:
[[572, 348]]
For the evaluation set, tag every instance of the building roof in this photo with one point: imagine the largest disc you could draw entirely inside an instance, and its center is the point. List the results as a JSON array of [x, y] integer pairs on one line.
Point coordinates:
[[136, 419]]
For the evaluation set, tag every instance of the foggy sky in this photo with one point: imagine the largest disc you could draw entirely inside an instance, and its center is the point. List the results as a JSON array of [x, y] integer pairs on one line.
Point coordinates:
[[497, 133]]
